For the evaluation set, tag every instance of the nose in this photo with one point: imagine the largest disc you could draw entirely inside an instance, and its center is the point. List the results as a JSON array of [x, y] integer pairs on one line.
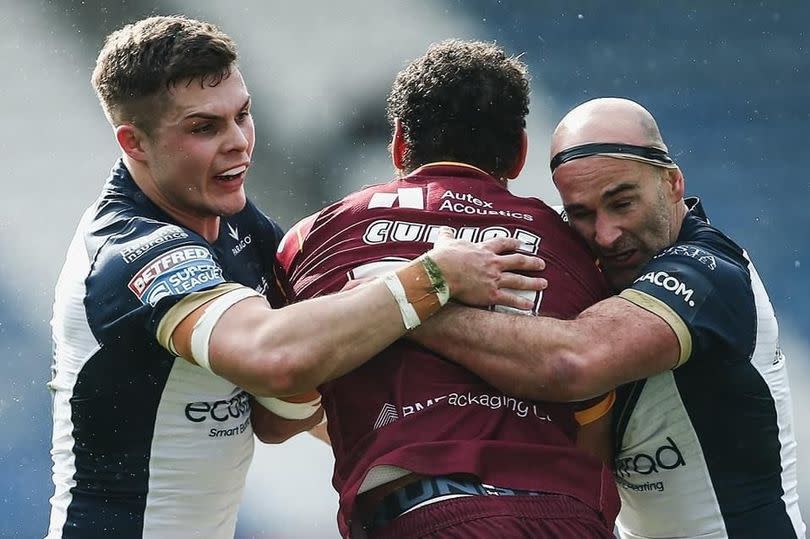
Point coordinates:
[[606, 232], [239, 137]]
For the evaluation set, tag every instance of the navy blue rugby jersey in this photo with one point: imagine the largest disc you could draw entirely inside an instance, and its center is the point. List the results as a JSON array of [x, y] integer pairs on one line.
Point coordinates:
[[146, 444], [707, 449]]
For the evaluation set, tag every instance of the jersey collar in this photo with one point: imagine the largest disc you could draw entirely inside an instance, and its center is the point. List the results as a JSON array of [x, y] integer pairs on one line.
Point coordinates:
[[451, 168]]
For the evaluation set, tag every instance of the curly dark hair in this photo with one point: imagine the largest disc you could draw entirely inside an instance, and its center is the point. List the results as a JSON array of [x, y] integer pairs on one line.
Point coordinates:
[[141, 61], [462, 101]]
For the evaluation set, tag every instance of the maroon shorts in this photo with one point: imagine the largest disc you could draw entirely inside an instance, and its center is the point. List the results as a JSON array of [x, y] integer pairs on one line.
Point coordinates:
[[506, 517]]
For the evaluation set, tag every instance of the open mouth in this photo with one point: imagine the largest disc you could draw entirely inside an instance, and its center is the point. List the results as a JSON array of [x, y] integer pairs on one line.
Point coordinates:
[[232, 174]]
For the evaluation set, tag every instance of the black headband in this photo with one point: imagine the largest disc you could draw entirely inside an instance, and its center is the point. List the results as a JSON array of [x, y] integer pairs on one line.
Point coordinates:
[[647, 153]]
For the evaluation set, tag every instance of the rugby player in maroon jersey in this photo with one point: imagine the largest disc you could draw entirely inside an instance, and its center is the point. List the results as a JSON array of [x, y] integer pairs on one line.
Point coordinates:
[[424, 447]]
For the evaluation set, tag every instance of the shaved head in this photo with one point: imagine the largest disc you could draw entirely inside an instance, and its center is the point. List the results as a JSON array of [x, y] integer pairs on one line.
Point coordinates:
[[621, 190], [607, 119]]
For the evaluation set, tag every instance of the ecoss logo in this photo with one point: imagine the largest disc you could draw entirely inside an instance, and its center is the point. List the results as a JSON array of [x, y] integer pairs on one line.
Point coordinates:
[[670, 283], [219, 410], [666, 457]]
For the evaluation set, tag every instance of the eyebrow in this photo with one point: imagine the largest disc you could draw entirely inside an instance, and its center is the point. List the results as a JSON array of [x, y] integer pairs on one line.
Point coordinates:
[[619, 189], [612, 192], [209, 116]]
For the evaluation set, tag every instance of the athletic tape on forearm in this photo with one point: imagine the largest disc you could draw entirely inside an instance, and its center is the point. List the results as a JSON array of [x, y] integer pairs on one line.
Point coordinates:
[[290, 410], [201, 334], [436, 277], [406, 310]]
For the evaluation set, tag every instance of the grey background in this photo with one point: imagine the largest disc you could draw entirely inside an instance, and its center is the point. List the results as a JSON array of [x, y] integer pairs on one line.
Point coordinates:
[[727, 81]]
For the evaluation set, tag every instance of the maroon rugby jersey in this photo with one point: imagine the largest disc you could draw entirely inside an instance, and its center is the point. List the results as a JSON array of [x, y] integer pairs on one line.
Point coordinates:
[[409, 407]]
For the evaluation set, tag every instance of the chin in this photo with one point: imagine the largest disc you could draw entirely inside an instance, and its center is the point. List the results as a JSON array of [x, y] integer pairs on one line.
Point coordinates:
[[233, 206]]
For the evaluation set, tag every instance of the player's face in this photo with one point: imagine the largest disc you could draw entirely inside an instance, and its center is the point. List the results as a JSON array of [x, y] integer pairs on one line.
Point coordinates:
[[199, 152], [624, 209]]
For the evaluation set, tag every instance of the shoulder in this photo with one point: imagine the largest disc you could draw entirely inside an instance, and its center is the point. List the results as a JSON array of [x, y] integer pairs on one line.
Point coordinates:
[[705, 254], [149, 259], [701, 285], [293, 241]]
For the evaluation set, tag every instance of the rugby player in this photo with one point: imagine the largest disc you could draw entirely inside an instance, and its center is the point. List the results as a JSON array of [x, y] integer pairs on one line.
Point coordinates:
[[168, 315], [423, 447], [704, 441]]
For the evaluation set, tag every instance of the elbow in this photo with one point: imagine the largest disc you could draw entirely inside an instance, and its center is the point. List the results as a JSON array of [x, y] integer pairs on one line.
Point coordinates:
[[282, 372], [575, 377]]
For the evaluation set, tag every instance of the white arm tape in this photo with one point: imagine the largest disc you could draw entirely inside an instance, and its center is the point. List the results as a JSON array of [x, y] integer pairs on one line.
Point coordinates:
[[290, 410], [201, 334], [409, 316]]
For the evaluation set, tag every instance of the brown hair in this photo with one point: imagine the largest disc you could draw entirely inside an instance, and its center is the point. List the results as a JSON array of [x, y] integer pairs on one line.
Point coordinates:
[[462, 101], [141, 61]]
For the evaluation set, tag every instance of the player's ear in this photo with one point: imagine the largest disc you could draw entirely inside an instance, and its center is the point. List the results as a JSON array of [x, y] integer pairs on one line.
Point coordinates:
[[131, 140], [398, 145], [520, 158], [676, 184]]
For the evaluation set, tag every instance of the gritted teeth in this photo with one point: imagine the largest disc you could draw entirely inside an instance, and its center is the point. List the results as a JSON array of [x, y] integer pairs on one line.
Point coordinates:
[[234, 171]]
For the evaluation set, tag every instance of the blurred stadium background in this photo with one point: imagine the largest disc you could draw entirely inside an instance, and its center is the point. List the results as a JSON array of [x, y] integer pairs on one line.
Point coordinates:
[[728, 82]]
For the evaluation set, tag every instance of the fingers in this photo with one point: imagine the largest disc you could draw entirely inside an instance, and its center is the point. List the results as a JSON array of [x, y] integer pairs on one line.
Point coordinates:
[[521, 262], [521, 282], [515, 261], [501, 244], [445, 234], [514, 298]]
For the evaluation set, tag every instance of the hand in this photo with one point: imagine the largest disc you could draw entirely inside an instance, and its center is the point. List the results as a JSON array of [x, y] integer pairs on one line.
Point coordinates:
[[480, 273]]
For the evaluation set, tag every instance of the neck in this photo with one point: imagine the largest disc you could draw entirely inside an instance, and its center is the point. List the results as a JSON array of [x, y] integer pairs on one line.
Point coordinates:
[[680, 212], [206, 226]]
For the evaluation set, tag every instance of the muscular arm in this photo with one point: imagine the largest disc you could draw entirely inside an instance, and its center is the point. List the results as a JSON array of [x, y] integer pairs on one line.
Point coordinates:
[[294, 349], [281, 352], [610, 343]]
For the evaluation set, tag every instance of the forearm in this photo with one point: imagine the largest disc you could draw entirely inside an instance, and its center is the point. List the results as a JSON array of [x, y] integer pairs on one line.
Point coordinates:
[[542, 358], [272, 429], [295, 349], [324, 338], [504, 350]]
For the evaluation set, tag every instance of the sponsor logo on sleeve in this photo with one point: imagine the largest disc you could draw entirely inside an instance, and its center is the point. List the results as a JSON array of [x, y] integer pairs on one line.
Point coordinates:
[[691, 251], [179, 271], [669, 283], [160, 236]]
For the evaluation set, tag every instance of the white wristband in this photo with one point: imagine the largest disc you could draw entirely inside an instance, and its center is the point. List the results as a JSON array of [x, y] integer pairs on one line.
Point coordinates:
[[290, 410], [409, 316], [201, 334]]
